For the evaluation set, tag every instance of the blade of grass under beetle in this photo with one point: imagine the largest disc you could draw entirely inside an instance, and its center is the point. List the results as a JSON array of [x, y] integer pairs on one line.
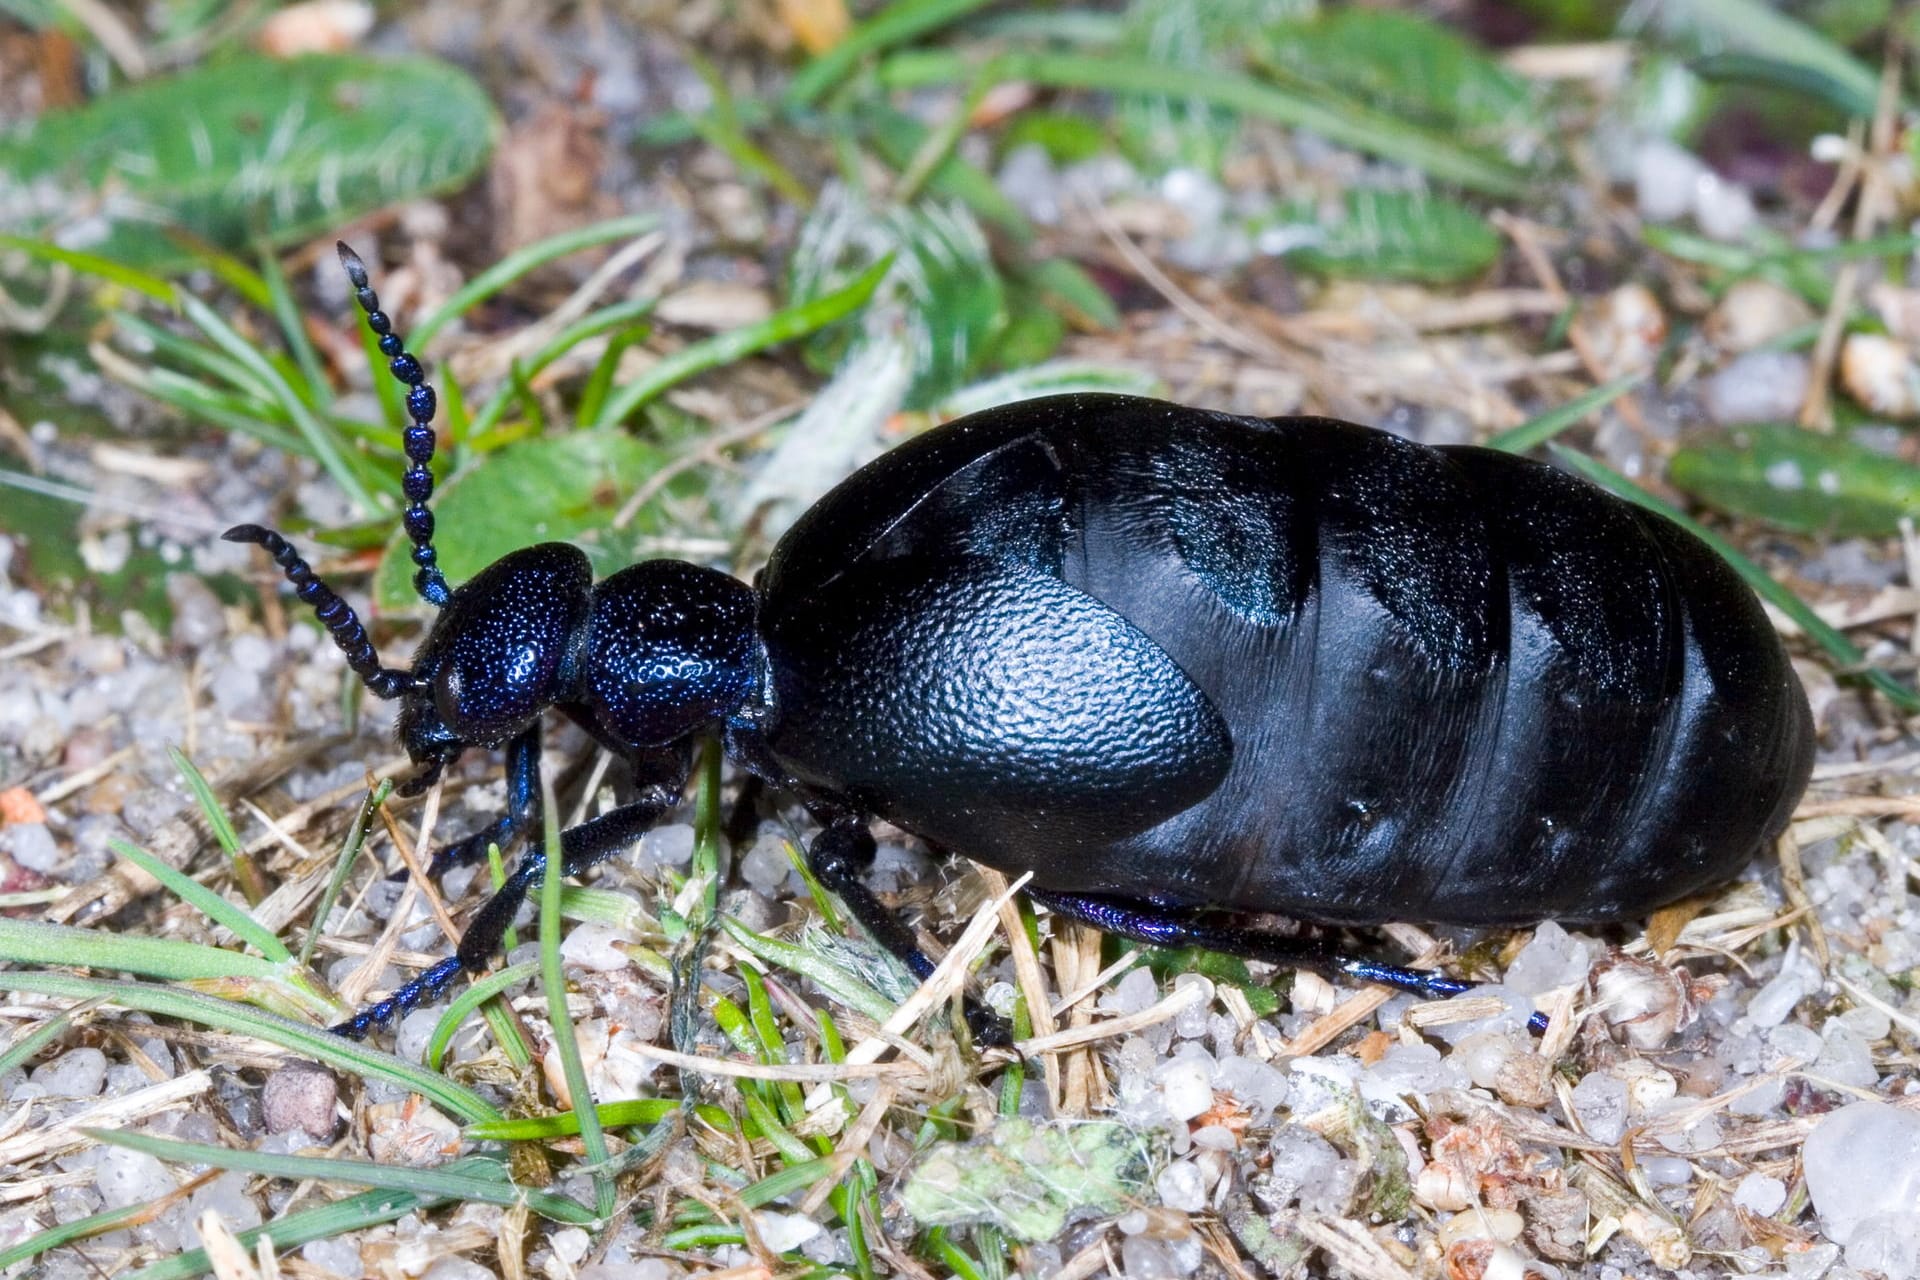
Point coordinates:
[[553, 976], [456, 1184], [724, 348], [519, 263], [226, 1015], [1538, 430], [1836, 645], [475, 995]]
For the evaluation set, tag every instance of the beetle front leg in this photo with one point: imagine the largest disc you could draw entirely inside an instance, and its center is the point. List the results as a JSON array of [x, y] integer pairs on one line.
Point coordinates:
[[1174, 927], [523, 811], [581, 847]]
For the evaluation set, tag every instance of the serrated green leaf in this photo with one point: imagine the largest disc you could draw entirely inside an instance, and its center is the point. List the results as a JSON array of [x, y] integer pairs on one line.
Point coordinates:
[[1801, 481], [251, 145], [1383, 235], [552, 489]]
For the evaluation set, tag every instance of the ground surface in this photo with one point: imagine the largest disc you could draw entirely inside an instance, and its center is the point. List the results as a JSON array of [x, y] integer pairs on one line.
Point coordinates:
[[1451, 223]]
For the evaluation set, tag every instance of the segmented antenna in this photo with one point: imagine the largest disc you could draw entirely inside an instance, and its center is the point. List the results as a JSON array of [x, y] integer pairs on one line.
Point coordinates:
[[334, 613], [417, 483]]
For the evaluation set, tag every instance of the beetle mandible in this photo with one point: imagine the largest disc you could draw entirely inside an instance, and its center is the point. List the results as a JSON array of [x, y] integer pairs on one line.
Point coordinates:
[[1180, 665]]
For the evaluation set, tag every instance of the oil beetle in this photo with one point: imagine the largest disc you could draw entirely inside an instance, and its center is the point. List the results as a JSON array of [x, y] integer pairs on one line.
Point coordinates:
[[1182, 666]]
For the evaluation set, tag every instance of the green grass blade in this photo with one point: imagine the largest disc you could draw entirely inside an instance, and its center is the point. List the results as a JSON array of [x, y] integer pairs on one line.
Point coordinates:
[[450, 1183], [293, 327], [323, 1222], [225, 1015], [319, 436], [896, 24], [37, 943], [724, 348], [519, 263], [632, 1113], [244, 872], [1349, 125], [21, 1051], [343, 866], [553, 976], [1537, 431], [1836, 645], [235, 919], [619, 316], [470, 999], [66, 1233], [93, 264]]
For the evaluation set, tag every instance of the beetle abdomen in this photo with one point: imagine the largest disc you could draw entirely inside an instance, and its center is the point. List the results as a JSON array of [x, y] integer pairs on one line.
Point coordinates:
[[1459, 686]]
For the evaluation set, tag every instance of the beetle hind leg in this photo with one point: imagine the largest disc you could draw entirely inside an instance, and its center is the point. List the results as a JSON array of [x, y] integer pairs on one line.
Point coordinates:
[[1161, 926]]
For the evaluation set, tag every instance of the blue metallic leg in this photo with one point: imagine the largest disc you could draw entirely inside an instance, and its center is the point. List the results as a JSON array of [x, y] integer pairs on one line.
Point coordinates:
[[580, 848], [1171, 927]]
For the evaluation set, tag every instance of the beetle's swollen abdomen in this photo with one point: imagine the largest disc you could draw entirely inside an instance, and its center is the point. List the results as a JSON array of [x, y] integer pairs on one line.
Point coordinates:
[[1458, 686]]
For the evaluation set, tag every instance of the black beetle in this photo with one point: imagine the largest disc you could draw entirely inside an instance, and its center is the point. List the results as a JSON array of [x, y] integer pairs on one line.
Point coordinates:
[[1177, 664]]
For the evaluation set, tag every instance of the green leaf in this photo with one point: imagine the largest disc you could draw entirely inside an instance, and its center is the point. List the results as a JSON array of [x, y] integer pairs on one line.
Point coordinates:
[[1383, 235], [1026, 1178], [1760, 30], [237, 919], [1408, 66], [551, 489], [251, 145], [1800, 480], [943, 289]]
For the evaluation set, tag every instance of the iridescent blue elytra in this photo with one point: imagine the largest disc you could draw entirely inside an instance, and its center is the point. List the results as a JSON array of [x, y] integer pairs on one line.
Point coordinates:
[[1179, 665]]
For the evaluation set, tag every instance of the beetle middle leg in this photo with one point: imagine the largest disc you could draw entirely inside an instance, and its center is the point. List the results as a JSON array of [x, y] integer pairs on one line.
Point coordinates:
[[1162, 926], [839, 858]]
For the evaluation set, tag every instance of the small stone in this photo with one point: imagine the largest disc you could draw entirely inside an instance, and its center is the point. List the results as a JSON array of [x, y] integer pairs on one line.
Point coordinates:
[[1667, 1171], [1183, 1083], [1553, 958], [570, 1244], [1753, 312], [457, 1269], [1861, 1161], [130, 1177], [784, 1232], [300, 1097], [78, 1073], [1879, 372], [1845, 1058], [1134, 993], [1887, 1244], [1182, 1186], [1761, 386], [1759, 1194], [667, 846], [339, 1255], [766, 865], [1773, 1002], [1600, 1103], [596, 946], [1664, 179], [32, 846], [1723, 210]]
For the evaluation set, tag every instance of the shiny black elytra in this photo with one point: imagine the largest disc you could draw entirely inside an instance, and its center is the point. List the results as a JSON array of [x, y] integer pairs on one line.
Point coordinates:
[[1179, 665]]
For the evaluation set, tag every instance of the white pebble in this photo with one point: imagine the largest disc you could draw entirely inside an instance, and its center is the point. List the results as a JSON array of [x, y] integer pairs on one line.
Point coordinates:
[[1183, 1083], [597, 947], [570, 1244], [78, 1073], [766, 865], [1724, 210], [1667, 1171], [130, 1177], [1600, 1101], [31, 845], [668, 846], [1182, 1186], [1862, 1160], [1664, 178], [782, 1232], [1761, 386], [1135, 991], [1772, 1003], [1552, 958], [1887, 1244], [1759, 1194]]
